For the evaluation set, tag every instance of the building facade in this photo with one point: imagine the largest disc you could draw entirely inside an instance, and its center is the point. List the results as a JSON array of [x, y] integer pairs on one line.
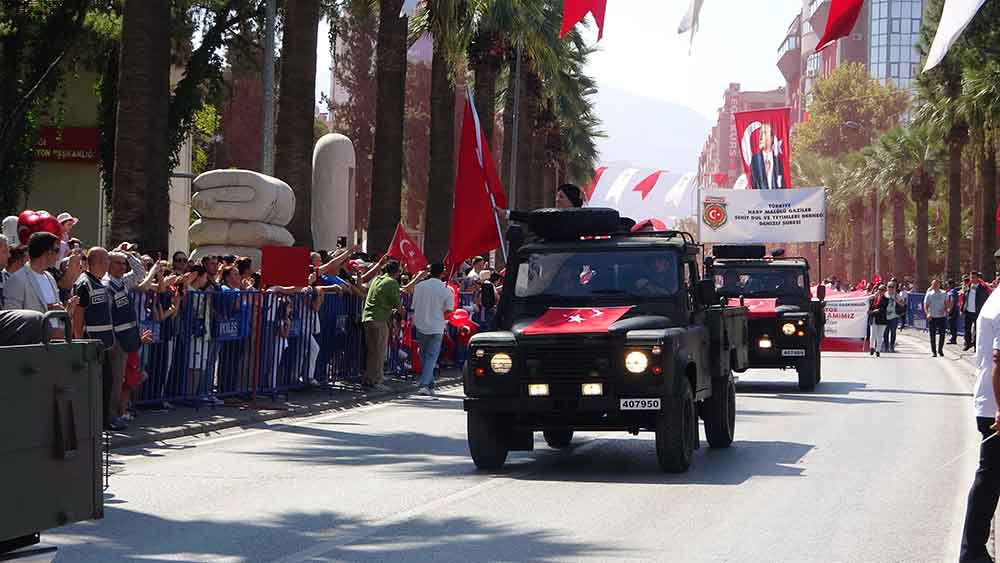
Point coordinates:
[[719, 163]]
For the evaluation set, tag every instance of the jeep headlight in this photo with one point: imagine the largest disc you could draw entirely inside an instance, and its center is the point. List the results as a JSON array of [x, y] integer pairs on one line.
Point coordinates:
[[788, 329], [636, 362], [501, 363]]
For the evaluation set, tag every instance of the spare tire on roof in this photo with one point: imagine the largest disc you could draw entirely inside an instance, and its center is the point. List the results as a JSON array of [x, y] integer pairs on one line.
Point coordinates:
[[572, 223]]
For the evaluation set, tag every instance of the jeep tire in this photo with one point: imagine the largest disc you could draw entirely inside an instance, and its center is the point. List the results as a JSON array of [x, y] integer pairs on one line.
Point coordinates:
[[487, 442], [558, 438], [677, 432], [808, 370], [719, 413]]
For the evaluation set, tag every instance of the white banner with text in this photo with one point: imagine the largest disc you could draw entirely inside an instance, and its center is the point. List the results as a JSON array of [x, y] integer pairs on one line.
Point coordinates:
[[762, 216]]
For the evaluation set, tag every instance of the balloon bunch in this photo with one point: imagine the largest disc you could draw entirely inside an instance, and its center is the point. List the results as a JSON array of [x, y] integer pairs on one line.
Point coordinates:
[[19, 229]]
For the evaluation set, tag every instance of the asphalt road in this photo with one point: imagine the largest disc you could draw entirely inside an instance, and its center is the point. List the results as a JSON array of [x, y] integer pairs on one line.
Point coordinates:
[[863, 469]]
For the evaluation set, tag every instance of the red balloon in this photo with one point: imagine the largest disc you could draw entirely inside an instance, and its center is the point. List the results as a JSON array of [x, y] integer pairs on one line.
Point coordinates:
[[30, 222], [458, 318]]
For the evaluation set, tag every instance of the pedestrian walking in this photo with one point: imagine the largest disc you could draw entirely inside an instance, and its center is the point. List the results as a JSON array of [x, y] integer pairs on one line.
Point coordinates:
[[986, 487], [953, 311], [879, 322], [937, 305], [382, 299], [973, 302], [432, 303], [893, 314]]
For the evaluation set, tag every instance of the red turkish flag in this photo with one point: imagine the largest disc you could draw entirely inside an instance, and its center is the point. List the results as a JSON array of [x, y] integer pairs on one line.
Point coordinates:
[[647, 185], [840, 22], [757, 308], [764, 144], [588, 320], [403, 248], [593, 183], [575, 10], [478, 193]]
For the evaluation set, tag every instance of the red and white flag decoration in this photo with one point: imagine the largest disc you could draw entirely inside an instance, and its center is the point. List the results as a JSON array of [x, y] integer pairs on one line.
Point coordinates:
[[404, 249], [955, 18], [840, 22], [560, 320], [575, 10], [475, 228]]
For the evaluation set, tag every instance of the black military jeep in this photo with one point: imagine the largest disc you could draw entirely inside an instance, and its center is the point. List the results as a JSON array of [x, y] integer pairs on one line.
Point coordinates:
[[786, 321], [600, 329]]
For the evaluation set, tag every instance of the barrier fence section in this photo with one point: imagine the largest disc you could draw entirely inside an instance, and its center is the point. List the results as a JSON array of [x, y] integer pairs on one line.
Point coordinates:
[[916, 317], [247, 343]]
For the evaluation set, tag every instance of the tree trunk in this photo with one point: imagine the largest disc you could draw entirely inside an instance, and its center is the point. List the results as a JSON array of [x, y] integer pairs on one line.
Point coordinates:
[[293, 139], [953, 258], [858, 269], [898, 235], [921, 251], [487, 71], [387, 160], [508, 132], [141, 171], [526, 198], [988, 238], [441, 183], [977, 222], [877, 244]]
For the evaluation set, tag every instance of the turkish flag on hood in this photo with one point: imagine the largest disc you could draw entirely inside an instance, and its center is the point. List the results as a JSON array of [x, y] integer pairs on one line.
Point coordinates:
[[576, 10], [840, 22], [403, 248], [589, 320], [478, 193], [758, 308]]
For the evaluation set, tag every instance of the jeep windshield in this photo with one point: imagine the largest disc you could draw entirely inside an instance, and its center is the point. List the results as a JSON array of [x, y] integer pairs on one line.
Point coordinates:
[[595, 274], [733, 281]]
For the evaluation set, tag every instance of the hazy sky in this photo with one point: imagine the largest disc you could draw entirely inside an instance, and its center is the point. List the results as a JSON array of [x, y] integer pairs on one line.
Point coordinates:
[[642, 53]]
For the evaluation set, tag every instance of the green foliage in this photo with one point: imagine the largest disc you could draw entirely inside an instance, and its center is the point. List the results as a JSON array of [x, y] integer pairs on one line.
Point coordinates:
[[847, 109], [207, 123]]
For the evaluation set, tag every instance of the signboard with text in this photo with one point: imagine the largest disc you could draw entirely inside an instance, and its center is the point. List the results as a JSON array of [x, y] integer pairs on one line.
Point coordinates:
[[67, 144], [762, 216], [846, 322]]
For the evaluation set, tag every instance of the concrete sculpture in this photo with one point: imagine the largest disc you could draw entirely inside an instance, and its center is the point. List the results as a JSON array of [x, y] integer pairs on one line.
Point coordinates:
[[333, 191], [241, 211]]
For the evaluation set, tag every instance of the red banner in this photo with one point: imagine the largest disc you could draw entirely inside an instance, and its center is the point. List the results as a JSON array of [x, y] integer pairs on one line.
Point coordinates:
[[67, 144], [764, 143], [405, 250], [558, 320]]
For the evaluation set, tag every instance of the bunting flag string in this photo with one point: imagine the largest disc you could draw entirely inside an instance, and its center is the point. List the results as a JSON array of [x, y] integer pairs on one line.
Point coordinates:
[[955, 18]]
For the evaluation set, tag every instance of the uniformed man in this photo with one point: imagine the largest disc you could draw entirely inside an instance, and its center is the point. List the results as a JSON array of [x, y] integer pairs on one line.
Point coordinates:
[[95, 323]]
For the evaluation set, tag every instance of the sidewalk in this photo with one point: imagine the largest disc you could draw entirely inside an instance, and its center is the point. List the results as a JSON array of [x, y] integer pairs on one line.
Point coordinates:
[[157, 425], [952, 352]]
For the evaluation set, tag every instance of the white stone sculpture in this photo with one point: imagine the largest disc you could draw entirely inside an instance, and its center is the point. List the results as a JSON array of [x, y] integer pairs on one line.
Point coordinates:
[[241, 211], [333, 191]]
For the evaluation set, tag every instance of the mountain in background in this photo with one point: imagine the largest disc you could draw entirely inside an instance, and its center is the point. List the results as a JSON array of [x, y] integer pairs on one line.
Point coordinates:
[[648, 133]]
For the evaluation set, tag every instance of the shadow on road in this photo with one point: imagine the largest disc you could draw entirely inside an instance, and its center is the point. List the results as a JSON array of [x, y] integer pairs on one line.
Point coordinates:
[[633, 461], [826, 392], [127, 535]]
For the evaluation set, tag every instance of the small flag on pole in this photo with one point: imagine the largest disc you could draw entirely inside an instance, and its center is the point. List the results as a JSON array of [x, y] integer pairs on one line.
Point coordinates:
[[955, 18], [575, 10], [843, 15]]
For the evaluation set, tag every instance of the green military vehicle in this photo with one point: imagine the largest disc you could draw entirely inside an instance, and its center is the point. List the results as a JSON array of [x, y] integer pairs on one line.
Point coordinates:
[[50, 433], [786, 321], [599, 329]]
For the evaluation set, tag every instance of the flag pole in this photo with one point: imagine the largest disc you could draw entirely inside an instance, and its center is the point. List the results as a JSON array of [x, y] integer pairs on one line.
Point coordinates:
[[486, 186]]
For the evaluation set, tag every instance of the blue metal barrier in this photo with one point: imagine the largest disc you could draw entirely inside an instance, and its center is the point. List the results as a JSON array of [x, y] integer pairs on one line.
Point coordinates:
[[916, 317]]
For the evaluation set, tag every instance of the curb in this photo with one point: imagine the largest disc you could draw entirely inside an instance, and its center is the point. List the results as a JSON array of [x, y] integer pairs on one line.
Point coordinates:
[[121, 441]]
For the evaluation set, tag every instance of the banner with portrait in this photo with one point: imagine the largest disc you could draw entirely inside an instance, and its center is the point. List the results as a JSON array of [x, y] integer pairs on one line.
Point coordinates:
[[765, 147], [762, 216]]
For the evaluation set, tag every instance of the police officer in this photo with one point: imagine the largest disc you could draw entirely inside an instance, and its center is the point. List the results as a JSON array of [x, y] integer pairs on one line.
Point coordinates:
[[96, 323]]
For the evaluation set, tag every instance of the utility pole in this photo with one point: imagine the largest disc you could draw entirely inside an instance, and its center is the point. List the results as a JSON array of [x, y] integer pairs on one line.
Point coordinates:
[[267, 144], [515, 132]]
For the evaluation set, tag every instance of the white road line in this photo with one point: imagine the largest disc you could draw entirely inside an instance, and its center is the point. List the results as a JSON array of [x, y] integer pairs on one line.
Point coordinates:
[[353, 535]]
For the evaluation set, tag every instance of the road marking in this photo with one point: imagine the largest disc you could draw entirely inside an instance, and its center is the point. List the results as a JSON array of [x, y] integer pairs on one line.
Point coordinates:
[[349, 536]]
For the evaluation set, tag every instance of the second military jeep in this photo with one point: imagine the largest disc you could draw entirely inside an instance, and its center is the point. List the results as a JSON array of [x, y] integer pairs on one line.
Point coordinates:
[[602, 329], [786, 321]]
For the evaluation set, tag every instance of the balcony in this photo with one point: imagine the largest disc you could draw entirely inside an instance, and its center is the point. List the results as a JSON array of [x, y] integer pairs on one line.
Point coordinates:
[[790, 58], [819, 11]]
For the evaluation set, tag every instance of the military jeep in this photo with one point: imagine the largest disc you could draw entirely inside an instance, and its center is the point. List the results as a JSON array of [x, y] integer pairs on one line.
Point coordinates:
[[601, 329], [786, 321]]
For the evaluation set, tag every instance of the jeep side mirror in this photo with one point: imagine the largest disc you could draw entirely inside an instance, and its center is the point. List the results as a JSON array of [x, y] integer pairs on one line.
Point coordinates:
[[706, 292], [821, 292]]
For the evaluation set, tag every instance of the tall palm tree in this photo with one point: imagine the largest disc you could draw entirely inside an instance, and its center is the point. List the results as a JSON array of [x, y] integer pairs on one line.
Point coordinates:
[[140, 191], [980, 101], [293, 140], [387, 158]]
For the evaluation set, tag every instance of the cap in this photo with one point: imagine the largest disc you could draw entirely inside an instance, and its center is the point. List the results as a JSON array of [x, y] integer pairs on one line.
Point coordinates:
[[65, 216]]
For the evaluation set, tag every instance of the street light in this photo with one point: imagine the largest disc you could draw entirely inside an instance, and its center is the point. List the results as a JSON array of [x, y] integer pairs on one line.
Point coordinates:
[[876, 233]]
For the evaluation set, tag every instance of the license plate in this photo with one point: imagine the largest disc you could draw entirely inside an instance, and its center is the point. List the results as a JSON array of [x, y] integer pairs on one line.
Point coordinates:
[[794, 353], [640, 404]]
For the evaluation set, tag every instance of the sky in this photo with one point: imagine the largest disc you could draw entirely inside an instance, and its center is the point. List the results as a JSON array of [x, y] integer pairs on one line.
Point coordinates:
[[642, 53]]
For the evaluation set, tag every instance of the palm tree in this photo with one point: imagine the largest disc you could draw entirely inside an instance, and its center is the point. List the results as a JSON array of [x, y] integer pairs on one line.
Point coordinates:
[[140, 193], [390, 104], [980, 102], [293, 140]]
